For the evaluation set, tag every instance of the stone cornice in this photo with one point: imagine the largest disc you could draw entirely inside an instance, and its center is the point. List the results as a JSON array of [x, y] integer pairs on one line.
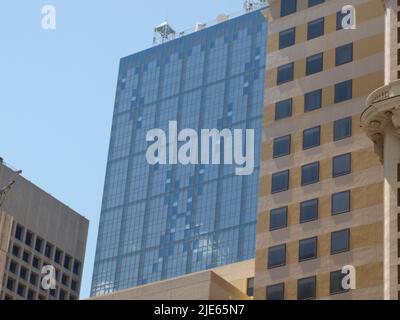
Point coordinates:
[[382, 112]]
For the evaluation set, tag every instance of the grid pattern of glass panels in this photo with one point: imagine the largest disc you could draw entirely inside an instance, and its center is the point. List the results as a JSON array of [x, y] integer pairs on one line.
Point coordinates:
[[159, 222]]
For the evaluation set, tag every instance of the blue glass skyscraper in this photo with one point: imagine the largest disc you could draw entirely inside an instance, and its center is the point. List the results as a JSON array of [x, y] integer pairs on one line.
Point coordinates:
[[159, 222]]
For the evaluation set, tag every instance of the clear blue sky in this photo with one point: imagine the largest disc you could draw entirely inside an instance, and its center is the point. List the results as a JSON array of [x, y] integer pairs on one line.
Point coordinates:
[[57, 89]]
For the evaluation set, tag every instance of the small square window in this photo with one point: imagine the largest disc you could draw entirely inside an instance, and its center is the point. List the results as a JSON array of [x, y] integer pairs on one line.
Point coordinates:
[[23, 273], [57, 256], [344, 54], [312, 3], [310, 174], [74, 285], [18, 232], [10, 284], [48, 250], [285, 73], [278, 219], [21, 290], [28, 238], [280, 181], [315, 28], [67, 262], [31, 295], [26, 257], [313, 100], [33, 279], [306, 288], [13, 267], [283, 109], [341, 165], [250, 287], [287, 38], [38, 244], [309, 211], [341, 203], [340, 241], [342, 129], [276, 292], [282, 146], [288, 7], [15, 250], [35, 262], [311, 138], [336, 280], [343, 91], [308, 249], [277, 256], [77, 267], [315, 64]]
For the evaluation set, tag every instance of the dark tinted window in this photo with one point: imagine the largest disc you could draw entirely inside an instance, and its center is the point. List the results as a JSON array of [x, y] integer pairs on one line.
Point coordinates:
[[278, 218], [57, 256], [288, 7], [312, 100], [287, 38], [276, 256], [340, 241], [312, 3], [339, 19], [310, 173], [343, 91], [309, 211], [308, 249], [280, 181], [13, 267], [48, 250], [283, 109], [307, 288], [315, 28], [67, 262], [28, 238], [341, 202], [336, 279], [276, 292], [250, 287], [344, 54], [77, 267], [38, 245], [342, 129], [285, 73], [315, 64], [282, 146], [311, 138], [341, 165], [18, 232]]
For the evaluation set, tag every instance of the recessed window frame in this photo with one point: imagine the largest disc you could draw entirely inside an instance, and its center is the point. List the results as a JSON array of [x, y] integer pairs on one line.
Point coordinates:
[[308, 107], [314, 201], [299, 282], [336, 252], [288, 139], [281, 264], [306, 166], [281, 211], [338, 98], [315, 64], [281, 105], [284, 36], [311, 24], [315, 240], [337, 213], [286, 188], [311, 131], [337, 53], [337, 123], [336, 174], [281, 286], [282, 70]]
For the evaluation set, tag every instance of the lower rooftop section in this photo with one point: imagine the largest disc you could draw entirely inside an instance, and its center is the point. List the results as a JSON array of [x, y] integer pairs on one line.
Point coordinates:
[[231, 282]]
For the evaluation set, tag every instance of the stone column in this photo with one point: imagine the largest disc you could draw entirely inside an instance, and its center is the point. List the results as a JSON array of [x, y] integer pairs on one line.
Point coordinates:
[[381, 122]]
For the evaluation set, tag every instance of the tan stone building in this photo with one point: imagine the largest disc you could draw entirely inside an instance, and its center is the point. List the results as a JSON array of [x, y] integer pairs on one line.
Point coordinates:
[[232, 282], [37, 230], [321, 204]]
